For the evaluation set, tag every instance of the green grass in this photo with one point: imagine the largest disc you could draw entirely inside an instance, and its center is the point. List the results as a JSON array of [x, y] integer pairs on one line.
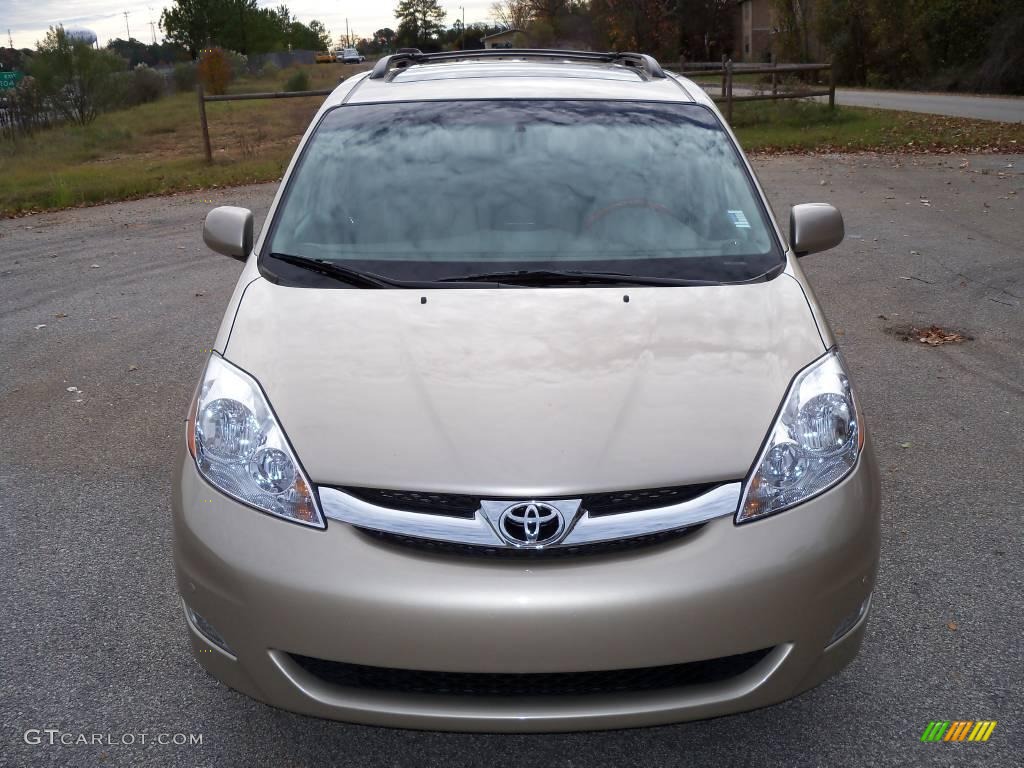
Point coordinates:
[[799, 126], [156, 148]]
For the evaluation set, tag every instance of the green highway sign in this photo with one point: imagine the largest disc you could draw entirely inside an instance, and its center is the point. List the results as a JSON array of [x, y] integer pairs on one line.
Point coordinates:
[[10, 79]]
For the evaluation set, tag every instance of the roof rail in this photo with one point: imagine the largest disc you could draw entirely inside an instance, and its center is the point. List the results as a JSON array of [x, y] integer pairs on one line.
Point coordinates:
[[647, 64]]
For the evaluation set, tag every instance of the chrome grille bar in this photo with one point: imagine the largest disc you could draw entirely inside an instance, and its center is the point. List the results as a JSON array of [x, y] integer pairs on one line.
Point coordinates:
[[582, 529]]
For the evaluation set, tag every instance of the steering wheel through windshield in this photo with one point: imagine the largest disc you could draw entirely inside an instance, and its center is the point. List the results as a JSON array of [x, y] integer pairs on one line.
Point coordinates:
[[635, 202]]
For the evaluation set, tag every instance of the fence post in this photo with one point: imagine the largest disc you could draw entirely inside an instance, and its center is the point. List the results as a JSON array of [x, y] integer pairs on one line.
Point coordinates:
[[728, 97], [832, 85], [724, 57], [202, 122], [682, 63], [775, 77]]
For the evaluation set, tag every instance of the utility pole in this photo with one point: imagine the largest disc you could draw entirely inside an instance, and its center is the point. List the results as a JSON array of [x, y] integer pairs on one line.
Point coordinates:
[[462, 45], [126, 25], [10, 40], [348, 40], [152, 25]]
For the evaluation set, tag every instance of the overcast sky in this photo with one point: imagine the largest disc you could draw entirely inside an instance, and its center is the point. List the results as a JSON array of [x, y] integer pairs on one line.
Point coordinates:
[[28, 20]]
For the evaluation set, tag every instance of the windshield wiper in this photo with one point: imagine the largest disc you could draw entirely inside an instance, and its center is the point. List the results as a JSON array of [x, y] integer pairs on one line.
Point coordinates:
[[363, 279], [338, 272], [565, 277]]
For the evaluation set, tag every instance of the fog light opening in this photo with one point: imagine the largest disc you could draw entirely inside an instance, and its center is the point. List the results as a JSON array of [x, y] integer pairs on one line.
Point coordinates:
[[850, 621], [207, 630]]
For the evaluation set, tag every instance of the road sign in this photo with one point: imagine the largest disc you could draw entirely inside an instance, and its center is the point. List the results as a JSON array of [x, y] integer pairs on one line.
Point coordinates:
[[10, 79]]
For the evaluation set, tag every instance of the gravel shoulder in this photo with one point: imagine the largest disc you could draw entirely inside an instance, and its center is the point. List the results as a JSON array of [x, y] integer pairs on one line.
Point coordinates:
[[106, 314]]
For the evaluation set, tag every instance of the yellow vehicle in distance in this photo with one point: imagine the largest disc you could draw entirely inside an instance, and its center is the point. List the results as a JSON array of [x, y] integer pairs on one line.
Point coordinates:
[[325, 57]]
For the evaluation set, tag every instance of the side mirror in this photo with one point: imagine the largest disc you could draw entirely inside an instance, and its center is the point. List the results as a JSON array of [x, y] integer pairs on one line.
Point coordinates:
[[815, 227], [228, 230]]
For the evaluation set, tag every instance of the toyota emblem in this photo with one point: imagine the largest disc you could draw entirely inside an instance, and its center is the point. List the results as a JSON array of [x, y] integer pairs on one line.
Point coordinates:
[[531, 524]]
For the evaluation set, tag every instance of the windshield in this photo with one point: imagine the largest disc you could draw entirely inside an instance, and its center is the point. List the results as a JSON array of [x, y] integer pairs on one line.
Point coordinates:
[[437, 190]]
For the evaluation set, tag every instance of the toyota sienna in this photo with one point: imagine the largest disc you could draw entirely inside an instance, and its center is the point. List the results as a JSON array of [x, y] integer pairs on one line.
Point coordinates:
[[543, 429]]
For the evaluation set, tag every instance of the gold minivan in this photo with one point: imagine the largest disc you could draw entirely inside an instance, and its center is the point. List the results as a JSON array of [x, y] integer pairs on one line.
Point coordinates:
[[523, 416]]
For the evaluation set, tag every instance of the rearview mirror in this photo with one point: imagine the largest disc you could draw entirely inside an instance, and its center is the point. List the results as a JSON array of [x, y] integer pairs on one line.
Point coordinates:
[[228, 230], [815, 227]]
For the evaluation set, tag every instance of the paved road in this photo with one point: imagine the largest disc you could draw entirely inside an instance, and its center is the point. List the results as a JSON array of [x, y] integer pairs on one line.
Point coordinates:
[[1001, 109], [91, 637], [1004, 109]]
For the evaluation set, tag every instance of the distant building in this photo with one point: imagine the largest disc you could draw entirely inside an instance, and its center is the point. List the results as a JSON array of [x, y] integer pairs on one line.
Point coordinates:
[[757, 32], [504, 39], [754, 31]]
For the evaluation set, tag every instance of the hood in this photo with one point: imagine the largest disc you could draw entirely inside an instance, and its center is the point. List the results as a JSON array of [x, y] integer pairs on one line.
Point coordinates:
[[525, 392]]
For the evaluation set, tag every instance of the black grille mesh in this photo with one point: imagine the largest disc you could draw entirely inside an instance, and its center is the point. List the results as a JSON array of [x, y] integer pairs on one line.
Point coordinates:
[[449, 504], [512, 553], [617, 502], [530, 684]]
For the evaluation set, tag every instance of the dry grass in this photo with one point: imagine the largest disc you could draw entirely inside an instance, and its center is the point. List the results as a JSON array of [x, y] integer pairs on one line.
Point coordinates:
[[156, 148]]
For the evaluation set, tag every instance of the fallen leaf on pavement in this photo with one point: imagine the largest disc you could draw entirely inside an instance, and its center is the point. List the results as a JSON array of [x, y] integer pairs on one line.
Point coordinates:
[[934, 336], [951, 626]]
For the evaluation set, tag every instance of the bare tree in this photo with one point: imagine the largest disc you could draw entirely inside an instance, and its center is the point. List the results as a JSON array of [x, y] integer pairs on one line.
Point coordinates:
[[513, 14]]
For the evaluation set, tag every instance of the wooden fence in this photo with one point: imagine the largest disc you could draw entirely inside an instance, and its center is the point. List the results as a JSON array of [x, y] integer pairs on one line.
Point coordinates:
[[203, 99], [727, 69]]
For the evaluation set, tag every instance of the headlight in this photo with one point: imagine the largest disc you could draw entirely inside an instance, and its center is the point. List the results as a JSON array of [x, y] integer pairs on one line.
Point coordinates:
[[240, 448], [813, 444]]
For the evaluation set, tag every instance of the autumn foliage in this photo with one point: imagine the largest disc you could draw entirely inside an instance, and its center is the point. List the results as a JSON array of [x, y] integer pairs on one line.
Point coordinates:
[[214, 70], [642, 25]]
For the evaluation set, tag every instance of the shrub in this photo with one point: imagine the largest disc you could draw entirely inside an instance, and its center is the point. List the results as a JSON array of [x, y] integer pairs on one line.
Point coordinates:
[[298, 81], [117, 91], [145, 86], [214, 70], [75, 77], [26, 109], [185, 76], [239, 63], [270, 70]]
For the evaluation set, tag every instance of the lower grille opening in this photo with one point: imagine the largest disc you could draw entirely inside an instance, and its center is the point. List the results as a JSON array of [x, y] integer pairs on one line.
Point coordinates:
[[530, 683]]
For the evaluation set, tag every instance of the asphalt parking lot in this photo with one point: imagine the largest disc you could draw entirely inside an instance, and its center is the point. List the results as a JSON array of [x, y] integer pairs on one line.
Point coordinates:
[[105, 316]]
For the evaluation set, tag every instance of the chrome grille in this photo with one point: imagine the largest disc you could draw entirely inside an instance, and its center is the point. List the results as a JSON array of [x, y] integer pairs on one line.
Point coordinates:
[[614, 516], [466, 505]]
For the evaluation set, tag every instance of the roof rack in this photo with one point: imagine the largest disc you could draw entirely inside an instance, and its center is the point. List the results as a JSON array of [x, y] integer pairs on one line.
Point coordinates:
[[641, 61]]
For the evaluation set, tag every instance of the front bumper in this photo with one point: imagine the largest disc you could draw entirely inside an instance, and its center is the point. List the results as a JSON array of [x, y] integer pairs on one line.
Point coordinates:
[[273, 589]]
